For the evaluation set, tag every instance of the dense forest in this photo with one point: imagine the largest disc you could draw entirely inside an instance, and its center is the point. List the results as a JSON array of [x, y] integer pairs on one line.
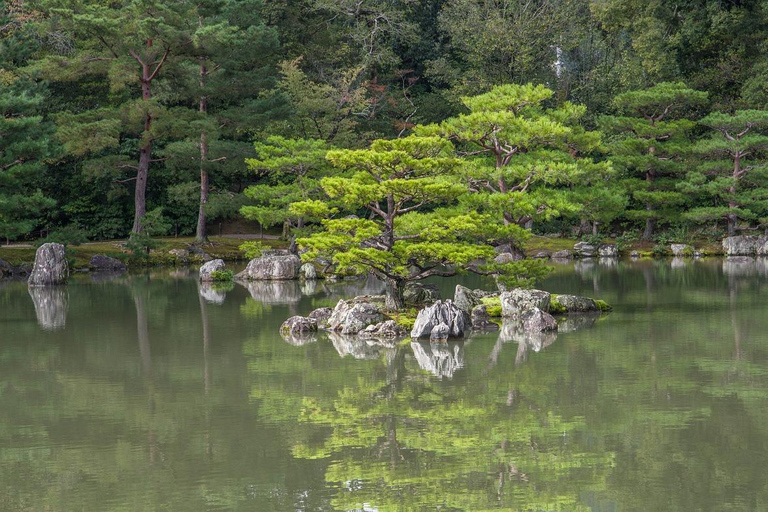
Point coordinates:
[[635, 119]]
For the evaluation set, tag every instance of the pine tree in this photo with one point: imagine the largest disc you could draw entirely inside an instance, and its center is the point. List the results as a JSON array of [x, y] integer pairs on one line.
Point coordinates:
[[733, 173], [651, 133]]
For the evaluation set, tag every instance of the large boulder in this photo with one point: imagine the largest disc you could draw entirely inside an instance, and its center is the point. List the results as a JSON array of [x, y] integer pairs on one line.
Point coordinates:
[[101, 263], [536, 320], [417, 294], [481, 321], [273, 265], [565, 254], [585, 250], [307, 271], [508, 257], [321, 316], [387, 329], [743, 245], [518, 301], [440, 332], [465, 299], [351, 317], [441, 312], [51, 265], [575, 304], [681, 250], [608, 251], [207, 270], [298, 326]]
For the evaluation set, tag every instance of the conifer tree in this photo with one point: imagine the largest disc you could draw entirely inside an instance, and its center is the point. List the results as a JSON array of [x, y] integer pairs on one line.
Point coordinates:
[[733, 173], [651, 133]]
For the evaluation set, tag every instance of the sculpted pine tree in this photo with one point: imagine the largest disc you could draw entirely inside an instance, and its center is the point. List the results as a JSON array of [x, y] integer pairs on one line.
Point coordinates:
[[130, 43], [392, 181], [652, 134], [733, 172], [518, 155]]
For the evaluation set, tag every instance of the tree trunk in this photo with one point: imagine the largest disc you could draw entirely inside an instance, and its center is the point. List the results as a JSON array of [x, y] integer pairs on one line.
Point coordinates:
[[201, 235], [145, 154], [732, 217], [394, 294], [650, 227]]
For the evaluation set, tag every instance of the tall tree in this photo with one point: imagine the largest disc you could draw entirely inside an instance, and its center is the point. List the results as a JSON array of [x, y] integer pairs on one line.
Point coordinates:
[[732, 172], [651, 131], [129, 43]]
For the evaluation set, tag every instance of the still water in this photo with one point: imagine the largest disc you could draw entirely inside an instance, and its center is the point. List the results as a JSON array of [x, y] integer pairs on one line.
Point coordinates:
[[146, 392]]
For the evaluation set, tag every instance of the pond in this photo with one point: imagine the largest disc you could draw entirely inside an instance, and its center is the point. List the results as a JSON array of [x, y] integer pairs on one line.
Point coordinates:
[[147, 393]]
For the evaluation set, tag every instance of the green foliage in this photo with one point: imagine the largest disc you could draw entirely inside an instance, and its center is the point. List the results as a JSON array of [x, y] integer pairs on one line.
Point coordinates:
[[69, 235], [555, 308], [603, 306], [492, 306], [222, 275], [252, 249]]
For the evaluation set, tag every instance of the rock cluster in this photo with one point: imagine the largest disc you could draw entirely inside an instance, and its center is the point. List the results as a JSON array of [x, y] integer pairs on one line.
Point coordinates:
[[351, 317], [746, 246]]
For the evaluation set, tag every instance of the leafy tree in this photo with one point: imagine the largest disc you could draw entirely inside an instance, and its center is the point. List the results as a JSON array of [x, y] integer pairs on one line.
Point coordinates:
[[392, 180], [293, 169], [517, 153], [651, 133], [732, 172]]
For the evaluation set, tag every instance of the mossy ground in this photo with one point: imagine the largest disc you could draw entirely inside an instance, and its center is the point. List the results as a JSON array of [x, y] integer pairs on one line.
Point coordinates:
[[405, 318], [492, 306], [219, 247]]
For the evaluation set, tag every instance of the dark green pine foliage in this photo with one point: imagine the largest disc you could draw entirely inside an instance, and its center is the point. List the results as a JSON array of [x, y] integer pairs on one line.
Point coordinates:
[[651, 131], [131, 45], [732, 176], [24, 133], [231, 61]]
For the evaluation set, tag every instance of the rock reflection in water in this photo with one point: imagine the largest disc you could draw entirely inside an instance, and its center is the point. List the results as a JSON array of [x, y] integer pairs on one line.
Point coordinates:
[[576, 322], [360, 348], [299, 340], [212, 294], [678, 262], [739, 266], [347, 289], [526, 341], [51, 304], [105, 277], [274, 292], [441, 359], [608, 262]]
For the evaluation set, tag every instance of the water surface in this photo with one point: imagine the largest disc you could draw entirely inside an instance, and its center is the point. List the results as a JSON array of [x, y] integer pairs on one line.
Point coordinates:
[[147, 392]]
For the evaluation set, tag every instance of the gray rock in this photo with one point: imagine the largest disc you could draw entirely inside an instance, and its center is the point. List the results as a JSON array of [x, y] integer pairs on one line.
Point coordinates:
[[575, 304], [744, 245], [508, 257], [681, 250], [518, 301], [542, 255], [207, 269], [634, 255], [181, 255], [536, 320], [298, 326], [51, 265], [321, 316], [562, 255], [272, 266], [351, 317], [480, 319], [440, 332], [608, 251], [585, 250], [465, 299], [441, 312], [417, 294], [387, 329], [106, 264], [307, 271], [6, 269]]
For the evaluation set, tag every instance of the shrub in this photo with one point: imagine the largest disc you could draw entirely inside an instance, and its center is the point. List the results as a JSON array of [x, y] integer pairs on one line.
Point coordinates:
[[222, 275]]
